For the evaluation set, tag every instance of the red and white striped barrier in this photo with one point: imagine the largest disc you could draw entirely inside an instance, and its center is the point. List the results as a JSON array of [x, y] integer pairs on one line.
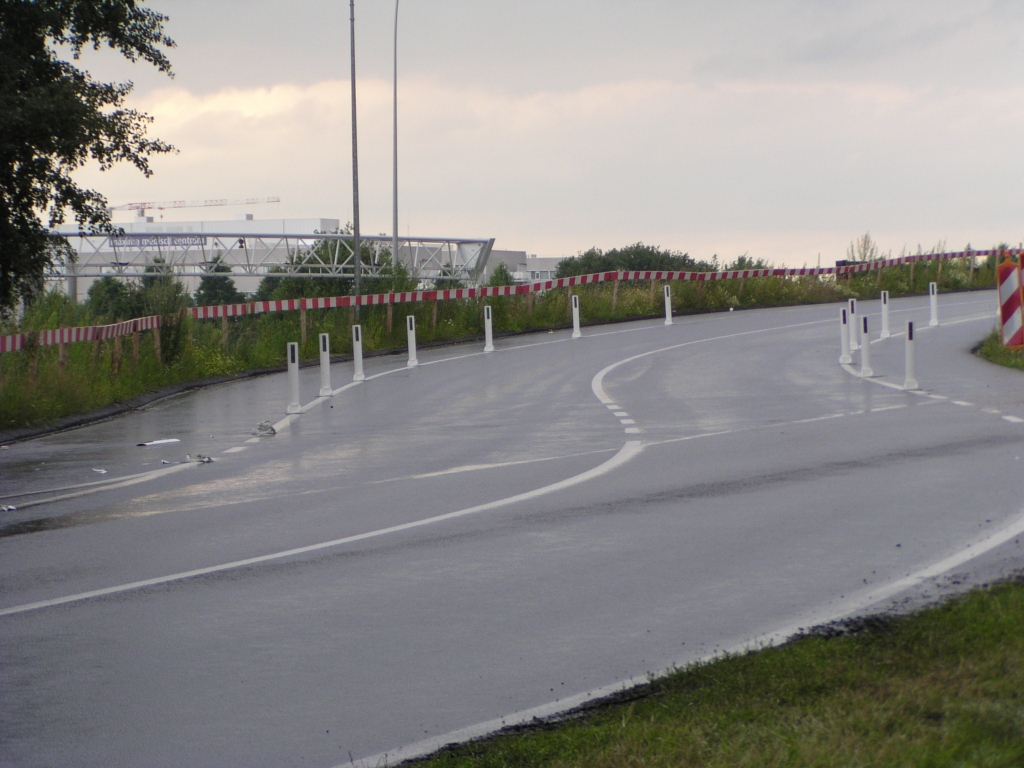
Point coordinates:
[[1011, 303], [17, 341]]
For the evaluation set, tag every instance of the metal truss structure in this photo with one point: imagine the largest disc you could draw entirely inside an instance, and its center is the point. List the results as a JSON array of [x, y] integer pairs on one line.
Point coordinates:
[[315, 255]]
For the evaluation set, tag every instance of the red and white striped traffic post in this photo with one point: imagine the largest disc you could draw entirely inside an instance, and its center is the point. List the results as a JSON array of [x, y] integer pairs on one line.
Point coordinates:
[[1011, 299]]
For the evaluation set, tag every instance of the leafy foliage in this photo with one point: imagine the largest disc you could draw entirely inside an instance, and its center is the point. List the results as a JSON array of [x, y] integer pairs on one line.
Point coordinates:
[[214, 288], [633, 257], [501, 276], [54, 118]]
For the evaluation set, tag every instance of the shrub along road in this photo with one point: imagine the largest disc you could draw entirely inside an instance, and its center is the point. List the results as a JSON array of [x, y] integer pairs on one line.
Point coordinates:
[[741, 483]]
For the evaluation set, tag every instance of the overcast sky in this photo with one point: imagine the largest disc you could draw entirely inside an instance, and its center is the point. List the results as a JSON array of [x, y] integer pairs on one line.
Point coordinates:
[[778, 129]]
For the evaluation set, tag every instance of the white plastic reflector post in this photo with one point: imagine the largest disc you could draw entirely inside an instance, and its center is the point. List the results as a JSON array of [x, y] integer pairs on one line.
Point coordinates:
[[844, 339], [576, 316], [410, 327], [865, 351], [357, 352], [885, 316], [854, 328], [325, 366], [294, 406], [911, 378], [488, 332], [933, 302], [668, 305]]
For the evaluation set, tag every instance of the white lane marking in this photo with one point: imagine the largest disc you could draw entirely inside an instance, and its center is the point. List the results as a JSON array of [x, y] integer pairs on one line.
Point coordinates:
[[475, 467], [632, 431], [849, 608], [94, 483], [253, 440], [612, 407], [597, 385], [236, 449], [962, 402], [627, 421], [888, 408], [937, 397], [854, 372], [620, 414], [922, 328], [628, 451], [1014, 419], [124, 483]]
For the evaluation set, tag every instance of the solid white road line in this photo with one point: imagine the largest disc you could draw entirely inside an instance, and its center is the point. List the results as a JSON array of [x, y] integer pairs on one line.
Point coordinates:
[[849, 608], [628, 451]]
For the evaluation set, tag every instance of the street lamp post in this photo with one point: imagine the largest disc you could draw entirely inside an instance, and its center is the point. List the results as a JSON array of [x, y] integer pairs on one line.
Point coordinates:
[[394, 221], [356, 261]]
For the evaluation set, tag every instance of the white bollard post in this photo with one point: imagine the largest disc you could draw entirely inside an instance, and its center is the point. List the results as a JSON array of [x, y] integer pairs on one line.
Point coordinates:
[[933, 301], [488, 332], [668, 305], [293, 378], [576, 316], [865, 351], [885, 316], [410, 327], [325, 366], [844, 339], [854, 327], [357, 352], [911, 378]]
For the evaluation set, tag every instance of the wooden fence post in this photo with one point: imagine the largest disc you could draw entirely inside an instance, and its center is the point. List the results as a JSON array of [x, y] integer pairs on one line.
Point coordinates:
[[135, 346], [62, 355], [433, 316], [224, 331], [115, 358], [912, 265], [97, 347], [938, 279], [156, 345], [302, 326], [615, 294], [390, 318], [529, 305]]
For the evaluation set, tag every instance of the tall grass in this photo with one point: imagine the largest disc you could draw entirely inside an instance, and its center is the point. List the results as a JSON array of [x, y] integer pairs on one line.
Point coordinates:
[[92, 378]]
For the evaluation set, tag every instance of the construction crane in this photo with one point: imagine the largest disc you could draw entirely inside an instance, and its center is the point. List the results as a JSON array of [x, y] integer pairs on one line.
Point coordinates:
[[141, 208]]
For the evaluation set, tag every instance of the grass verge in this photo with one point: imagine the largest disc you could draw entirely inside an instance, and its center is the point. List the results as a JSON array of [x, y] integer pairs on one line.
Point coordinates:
[[943, 687], [992, 349]]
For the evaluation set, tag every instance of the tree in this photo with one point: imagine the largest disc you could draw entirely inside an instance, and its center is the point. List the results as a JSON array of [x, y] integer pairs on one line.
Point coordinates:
[[54, 119], [216, 289], [636, 257], [501, 275]]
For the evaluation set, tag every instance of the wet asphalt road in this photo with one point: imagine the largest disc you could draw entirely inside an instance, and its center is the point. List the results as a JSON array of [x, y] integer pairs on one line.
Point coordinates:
[[763, 486]]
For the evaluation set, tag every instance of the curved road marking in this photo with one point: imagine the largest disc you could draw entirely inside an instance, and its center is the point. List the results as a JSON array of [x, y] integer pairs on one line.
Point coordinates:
[[631, 449], [596, 384]]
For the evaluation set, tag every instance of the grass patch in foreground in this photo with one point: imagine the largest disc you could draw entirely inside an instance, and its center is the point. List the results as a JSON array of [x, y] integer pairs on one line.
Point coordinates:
[[944, 687], [992, 349]]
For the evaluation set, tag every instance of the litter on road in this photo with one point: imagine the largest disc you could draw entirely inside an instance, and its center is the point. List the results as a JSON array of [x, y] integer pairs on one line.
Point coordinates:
[[101, 471], [165, 441], [265, 429]]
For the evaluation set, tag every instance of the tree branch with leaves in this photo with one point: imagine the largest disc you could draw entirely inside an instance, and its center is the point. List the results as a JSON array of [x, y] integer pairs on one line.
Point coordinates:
[[55, 119]]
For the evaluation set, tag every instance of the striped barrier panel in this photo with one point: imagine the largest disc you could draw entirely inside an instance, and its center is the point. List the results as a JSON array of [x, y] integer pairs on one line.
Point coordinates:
[[50, 338], [1011, 303], [15, 342]]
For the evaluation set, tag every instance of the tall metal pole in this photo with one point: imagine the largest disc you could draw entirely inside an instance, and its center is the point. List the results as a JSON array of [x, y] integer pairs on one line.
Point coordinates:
[[356, 260], [394, 222]]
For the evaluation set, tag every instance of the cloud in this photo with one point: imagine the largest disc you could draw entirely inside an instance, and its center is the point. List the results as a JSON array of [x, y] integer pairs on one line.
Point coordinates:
[[769, 167]]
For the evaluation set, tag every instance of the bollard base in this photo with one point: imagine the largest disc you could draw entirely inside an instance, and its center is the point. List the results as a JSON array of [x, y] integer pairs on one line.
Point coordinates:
[[884, 335], [576, 334], [412, 364], [866, 373], [668, 321], [489, 348], [932, 323], [910, 384], [294, 408], [358, 377], [845, 359], [326, 392]]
